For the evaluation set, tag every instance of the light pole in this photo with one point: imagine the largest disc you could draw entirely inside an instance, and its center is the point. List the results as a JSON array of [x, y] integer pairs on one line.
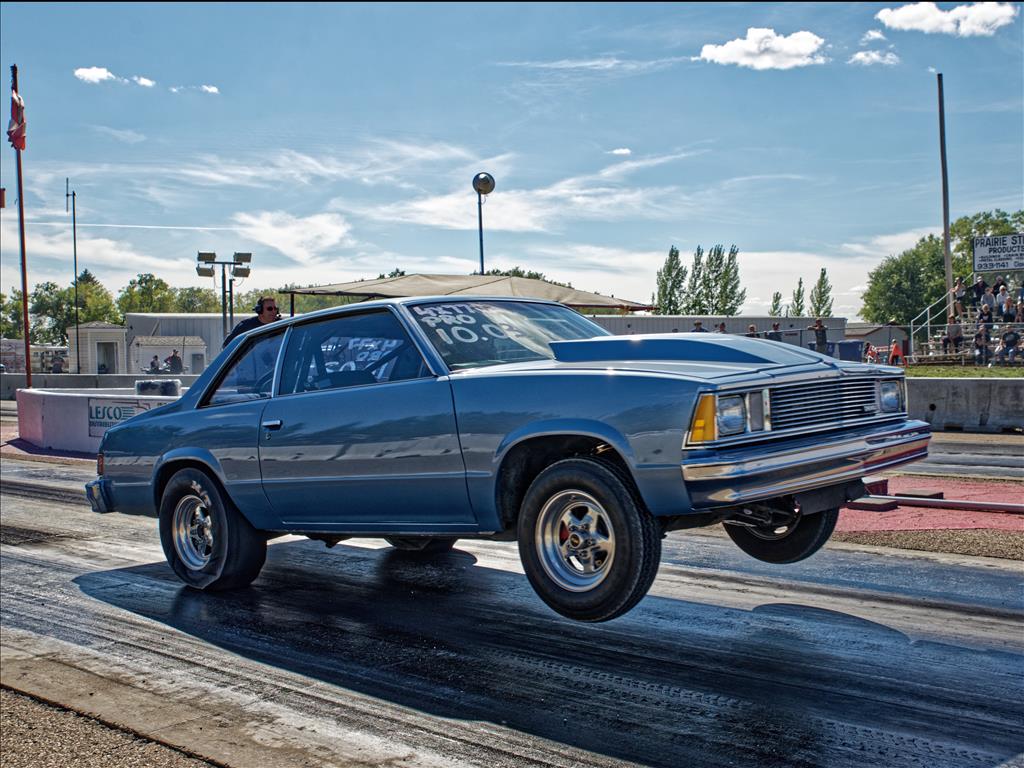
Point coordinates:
[[483, 183], [239, 268], [74, 248]]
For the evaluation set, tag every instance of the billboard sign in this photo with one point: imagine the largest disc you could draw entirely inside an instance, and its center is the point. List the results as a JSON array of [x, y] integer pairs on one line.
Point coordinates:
[[999, 253]]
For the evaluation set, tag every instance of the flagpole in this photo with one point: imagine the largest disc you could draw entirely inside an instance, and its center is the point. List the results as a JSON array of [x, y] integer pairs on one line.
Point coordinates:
[[24, 266]]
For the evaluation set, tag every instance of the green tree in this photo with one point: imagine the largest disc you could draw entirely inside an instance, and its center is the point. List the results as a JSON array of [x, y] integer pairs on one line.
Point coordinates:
[[821, 296], [901, 286], [668, 300], [396, 272], [95, 302], [194, 299], [714, 284], [146, 293], [10, 315], [796, 306], [775, 310], [695, 301]]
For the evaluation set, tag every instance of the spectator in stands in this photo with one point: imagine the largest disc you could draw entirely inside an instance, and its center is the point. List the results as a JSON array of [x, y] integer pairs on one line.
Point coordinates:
[[959, 291], [720, 328], [1001, 296], [998, 283], [1009, 310], [981, 350], [1008, 345], [1020, 312], [988, 299], [954, 336], [698, 327], [985, 317], [775, 334], [820, 336], [751, 331], [979, 289]]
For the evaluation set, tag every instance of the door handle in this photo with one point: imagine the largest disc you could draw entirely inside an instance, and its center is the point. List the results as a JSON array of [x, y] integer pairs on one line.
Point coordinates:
[[272, 424]]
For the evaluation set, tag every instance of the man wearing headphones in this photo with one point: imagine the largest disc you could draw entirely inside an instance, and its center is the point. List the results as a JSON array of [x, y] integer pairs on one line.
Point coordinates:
[[266, 312]]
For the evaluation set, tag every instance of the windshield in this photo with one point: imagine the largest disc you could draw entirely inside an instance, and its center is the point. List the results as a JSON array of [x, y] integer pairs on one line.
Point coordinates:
[[471, 334]]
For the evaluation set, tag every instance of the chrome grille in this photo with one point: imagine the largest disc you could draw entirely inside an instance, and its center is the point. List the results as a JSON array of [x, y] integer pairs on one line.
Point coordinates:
[[819, 404]]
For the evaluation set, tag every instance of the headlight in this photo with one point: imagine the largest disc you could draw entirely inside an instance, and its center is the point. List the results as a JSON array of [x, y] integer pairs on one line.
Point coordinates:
[[732, 415], [890, 396]]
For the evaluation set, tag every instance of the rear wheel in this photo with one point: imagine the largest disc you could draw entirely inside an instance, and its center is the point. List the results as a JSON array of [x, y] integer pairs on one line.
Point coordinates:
[[207, 542], [425, 545], [588, 545], [799, 539]]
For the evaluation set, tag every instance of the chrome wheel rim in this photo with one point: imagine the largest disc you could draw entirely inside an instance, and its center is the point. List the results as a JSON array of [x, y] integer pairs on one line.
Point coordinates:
[[575, 540], [193, 532]]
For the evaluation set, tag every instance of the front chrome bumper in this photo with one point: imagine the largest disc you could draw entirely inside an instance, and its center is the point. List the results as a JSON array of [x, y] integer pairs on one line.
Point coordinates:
[[743, 475], [98, 495]]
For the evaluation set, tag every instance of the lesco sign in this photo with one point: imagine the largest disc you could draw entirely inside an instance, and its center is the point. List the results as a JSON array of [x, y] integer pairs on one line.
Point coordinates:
[[105, 413]]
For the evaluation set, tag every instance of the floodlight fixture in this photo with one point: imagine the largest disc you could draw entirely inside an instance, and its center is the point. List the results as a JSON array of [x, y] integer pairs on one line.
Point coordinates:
[[204, 271], [242, 258], [207, 256], [239, 271]]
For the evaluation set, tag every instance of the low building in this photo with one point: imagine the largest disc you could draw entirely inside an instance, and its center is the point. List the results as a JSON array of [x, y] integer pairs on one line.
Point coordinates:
[[191, 349], [874, 334], [209, 326], [102, 351], [12, 356]]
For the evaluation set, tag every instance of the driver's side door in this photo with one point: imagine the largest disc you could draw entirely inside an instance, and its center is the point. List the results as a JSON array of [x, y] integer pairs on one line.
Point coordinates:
[[361, 436]]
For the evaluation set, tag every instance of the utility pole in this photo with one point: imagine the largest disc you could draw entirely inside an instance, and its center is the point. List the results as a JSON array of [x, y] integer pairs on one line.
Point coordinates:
[[945, 201], [16, 134], [74, 246], [483, 183]]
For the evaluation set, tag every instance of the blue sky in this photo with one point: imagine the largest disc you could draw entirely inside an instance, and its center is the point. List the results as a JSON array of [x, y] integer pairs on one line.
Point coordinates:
[[336, 142]]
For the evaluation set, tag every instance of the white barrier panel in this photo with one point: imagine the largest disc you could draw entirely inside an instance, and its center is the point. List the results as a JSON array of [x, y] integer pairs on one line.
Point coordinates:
[[972, 405], [75, 419]]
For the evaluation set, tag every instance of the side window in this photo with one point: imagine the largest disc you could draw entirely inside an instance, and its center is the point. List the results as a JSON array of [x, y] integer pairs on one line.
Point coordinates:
[[350, 351], [251, 376]]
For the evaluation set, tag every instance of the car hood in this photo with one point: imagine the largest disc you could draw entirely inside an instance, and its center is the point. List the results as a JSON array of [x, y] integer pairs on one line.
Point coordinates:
[[704, 356]]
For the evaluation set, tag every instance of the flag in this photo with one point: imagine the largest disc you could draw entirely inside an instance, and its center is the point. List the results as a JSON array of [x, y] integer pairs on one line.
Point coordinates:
[[16, 127]]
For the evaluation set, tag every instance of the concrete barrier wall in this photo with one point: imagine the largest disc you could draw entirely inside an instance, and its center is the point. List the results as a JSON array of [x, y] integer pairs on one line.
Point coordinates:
[[11, 382], [973, 405], [61, 419]]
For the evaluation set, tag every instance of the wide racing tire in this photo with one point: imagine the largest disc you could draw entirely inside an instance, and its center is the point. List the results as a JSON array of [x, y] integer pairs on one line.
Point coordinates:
[[207, 542]]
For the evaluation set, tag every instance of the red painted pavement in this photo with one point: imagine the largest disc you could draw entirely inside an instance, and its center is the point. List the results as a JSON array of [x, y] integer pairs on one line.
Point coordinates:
[[919, 519]]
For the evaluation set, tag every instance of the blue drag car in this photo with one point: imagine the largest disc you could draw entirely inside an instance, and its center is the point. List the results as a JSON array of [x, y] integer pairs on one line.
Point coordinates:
[[424, 421]]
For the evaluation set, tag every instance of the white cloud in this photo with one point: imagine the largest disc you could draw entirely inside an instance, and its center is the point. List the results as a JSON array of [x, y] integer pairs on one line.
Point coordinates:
[[145, 82], [621, 151], [124, 135], [870, 58], [975, 19], [95, 75], [209, 89], [872, 36], [303, 240], [933, 70], [763, 49], [601, 64], [881, 246]]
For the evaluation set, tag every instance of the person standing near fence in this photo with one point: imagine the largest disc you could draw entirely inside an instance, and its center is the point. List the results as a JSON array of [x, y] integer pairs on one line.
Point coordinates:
[[820, 336]]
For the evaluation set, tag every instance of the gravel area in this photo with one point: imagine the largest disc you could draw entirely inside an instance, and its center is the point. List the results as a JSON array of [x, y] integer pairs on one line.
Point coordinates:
[[37, 735], [978, 542]]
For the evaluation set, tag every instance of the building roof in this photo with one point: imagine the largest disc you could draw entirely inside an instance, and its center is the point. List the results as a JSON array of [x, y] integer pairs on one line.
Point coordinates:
[[101, 325], [172, 342], [469, 285]]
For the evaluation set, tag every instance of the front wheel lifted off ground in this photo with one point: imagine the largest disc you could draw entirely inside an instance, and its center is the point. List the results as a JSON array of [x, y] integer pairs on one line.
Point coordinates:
[[208, 543], [588, 545]]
